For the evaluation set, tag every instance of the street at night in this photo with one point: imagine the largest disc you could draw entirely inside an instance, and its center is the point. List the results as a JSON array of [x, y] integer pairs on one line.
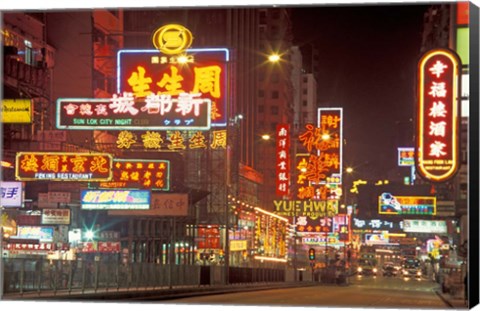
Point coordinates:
[[366, 293], [302, 155]]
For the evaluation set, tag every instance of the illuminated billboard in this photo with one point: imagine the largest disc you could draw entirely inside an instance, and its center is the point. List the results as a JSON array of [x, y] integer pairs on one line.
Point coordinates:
[[282, 159], [63, 166], [12, 194], [310, 208], [146, 174], [202, 73], [403, 205], [162, 204], [16, 111], [406, 156], [124, 111], [425, 226], [115, 199], [437, 132]]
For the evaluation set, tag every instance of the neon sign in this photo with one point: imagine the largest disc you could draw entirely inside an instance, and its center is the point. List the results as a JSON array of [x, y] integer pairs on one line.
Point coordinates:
[[172, 39], [146, 73], [401, 205], [124, 111], [63, 166], [282, 159], [172, 140], [437, 115], [132, 173], [115, 199]]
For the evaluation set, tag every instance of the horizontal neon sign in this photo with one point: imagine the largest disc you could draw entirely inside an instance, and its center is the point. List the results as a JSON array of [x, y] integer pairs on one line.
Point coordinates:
[[398, 205], [157, 112], [146, 174], [63, 166], [115, 199], [204, 71]]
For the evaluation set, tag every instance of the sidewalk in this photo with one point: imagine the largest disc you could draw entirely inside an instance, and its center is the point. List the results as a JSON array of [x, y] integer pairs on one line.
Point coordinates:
[[146, 293], [453, 302]]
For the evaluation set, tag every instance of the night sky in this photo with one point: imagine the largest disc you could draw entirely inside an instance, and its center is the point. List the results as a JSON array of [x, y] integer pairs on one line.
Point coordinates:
[[368, 57]]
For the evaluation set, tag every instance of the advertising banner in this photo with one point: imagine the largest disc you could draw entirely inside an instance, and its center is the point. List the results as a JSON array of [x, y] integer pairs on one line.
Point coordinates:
[[162, 204], [115, 199], [43, 234], [133, 173], [425, 226], [438, 110], [57, 216], [282, 159], [310, 208], [16, 111], [12, 194], [124, 112], [403, 205], [63, 166], [163, 80]]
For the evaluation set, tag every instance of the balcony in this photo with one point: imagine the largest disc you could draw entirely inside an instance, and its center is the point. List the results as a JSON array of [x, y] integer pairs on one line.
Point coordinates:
[[34, 80]]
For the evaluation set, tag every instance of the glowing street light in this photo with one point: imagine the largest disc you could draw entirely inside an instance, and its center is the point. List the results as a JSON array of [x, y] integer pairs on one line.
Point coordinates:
[[274, 58]]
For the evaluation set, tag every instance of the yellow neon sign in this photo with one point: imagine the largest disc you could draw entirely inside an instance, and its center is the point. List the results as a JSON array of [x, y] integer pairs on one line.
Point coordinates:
[[172, 39]]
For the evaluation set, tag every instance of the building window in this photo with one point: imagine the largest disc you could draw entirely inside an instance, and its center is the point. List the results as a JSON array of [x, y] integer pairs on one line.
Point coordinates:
[[275, 95], [261, 93], [261, 108], [305, 91], [29, 58], [274, 110], [304, 103], [275, 78]]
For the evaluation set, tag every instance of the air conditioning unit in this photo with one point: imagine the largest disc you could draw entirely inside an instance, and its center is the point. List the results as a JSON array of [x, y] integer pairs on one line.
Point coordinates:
[[10, 50]]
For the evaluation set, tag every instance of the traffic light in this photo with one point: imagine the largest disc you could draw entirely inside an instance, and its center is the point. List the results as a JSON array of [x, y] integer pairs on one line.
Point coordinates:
[[311, 254]]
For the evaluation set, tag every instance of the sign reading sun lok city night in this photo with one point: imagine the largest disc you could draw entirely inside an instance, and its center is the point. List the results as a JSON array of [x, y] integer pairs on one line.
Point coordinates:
[[438, 115], [158, 112], [63, 166]]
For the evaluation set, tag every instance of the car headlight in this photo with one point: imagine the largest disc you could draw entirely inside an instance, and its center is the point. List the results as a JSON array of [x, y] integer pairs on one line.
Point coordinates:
[[359, 269], [374, 270], [405, 272], [419, 272]]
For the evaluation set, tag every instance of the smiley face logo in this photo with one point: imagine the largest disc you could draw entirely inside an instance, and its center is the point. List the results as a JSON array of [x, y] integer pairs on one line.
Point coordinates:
[[172, 39]]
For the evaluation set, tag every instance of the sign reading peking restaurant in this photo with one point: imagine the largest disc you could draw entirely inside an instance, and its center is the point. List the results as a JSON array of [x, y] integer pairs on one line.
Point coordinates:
[[63, 166], [437, 157]]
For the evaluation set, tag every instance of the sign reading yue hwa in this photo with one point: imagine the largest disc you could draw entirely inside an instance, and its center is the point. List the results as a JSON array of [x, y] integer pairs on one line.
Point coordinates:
[[438, 115]]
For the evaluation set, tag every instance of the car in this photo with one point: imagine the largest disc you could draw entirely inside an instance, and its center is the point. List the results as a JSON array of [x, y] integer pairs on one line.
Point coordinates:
[[365, 267], [411, 268], [389, 270]]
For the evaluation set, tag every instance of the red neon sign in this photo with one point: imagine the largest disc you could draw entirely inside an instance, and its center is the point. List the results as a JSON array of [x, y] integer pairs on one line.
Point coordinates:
[[437, 115], [283, 159]]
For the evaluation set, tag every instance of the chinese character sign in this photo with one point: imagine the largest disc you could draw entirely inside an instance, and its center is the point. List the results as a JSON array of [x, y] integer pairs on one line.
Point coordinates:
[[124, 111], [145, 174], [63, 166], [201, 73], [12, 194], [283, 159], [438, 115], [330, 122]]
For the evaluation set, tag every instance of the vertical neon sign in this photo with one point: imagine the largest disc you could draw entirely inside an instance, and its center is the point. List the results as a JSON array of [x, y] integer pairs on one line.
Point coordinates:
[[437, 115], [283, 159]]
